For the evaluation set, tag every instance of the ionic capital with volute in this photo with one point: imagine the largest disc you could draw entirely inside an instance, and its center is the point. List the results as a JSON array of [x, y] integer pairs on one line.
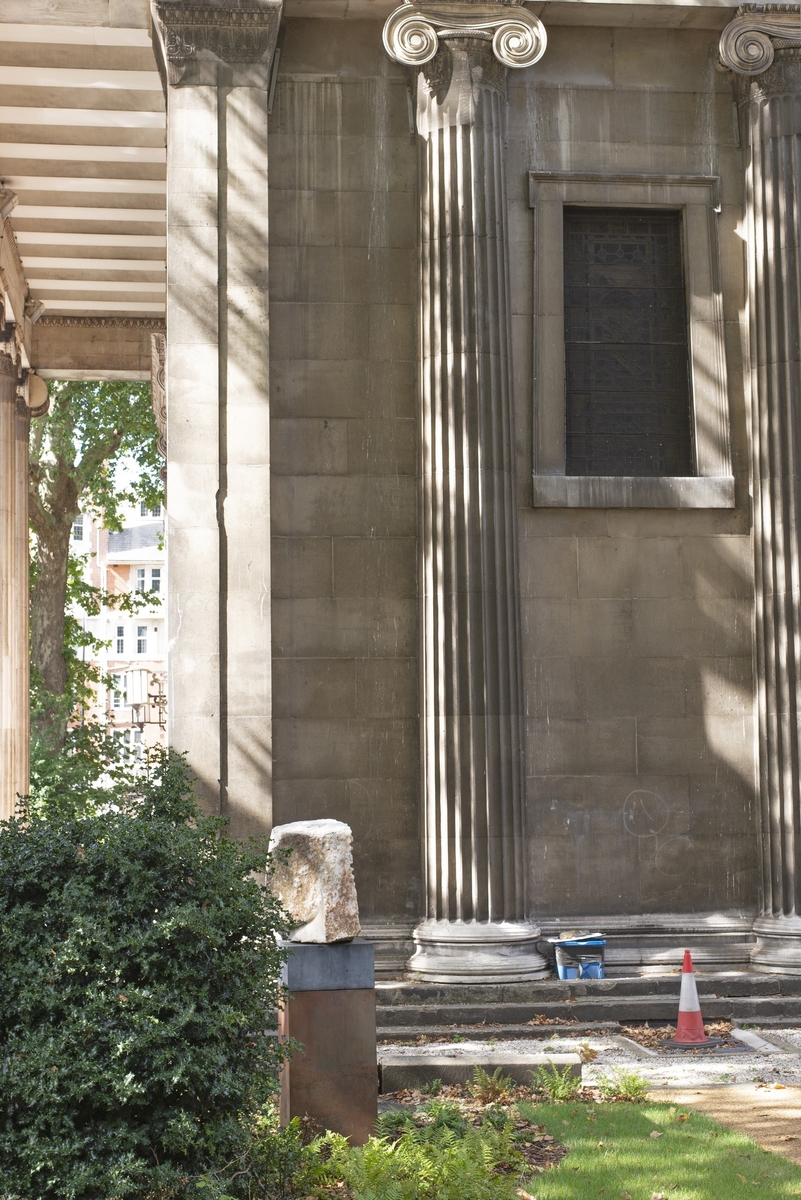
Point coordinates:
[[412, 33], [749, 43]]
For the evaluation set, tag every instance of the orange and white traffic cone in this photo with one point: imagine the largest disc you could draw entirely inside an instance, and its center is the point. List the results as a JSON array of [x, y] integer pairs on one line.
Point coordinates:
[[690, 1025]]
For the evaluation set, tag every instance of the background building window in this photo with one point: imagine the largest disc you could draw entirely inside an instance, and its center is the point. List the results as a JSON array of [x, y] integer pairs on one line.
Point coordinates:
[[627, 382], [141, 584], [118, 693], [120, 639], [144, 511], [155, 579], [77, 528], [141, 639]]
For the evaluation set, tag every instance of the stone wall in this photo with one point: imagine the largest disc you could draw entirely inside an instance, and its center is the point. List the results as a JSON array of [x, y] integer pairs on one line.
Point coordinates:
[[636, 623], [344, 461]]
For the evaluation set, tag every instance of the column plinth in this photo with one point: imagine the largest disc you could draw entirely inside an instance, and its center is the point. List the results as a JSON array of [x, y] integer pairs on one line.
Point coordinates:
[[764, 45], [476, 925]]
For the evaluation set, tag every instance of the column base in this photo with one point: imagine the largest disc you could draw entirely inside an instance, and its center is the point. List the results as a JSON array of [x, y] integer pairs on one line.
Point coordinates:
[[778, 946], [476, 952]]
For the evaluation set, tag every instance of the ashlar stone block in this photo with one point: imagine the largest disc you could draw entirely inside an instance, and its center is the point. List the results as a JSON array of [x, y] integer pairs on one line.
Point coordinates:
[[314, 881]]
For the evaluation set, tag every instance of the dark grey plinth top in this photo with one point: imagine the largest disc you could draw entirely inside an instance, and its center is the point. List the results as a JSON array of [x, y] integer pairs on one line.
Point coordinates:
[[312, 967]]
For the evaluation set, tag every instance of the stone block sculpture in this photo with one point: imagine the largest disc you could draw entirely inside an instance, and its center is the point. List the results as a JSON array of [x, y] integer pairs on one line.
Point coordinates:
[[329, 1011], [315, 880]]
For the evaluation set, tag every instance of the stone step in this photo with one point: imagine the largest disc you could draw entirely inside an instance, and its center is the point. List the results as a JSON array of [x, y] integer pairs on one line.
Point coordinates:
[[733, 984], [660, 1009], [499, 1033]]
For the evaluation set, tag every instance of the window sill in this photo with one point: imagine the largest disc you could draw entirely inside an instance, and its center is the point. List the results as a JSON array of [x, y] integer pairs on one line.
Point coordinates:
[[618, 491]]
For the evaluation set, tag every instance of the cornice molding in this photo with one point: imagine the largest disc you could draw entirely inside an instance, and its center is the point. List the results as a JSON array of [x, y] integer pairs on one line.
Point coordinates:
[[223, 42], [156, 324], [749, 43], [412, 33]]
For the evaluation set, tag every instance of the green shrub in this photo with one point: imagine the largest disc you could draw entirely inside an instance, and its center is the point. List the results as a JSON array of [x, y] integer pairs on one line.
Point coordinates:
[[558, 1085], [139, 972]]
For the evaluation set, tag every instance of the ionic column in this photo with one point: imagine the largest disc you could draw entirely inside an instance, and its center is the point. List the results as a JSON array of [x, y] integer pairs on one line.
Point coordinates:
[[14, 706], [215, 57], [764, 47], [476, 925]]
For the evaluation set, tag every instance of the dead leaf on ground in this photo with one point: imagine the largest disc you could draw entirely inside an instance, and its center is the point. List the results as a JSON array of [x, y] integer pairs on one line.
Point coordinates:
[[655, 1133]]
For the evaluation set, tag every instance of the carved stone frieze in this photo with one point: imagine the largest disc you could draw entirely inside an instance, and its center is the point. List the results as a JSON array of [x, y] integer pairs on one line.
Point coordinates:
[[412, 33], [749, 43], [222, 42], [53, 322]]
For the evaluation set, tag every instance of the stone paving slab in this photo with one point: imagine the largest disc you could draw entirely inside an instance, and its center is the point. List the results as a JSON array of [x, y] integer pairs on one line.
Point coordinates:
[[770, 1115], [613, 1051]]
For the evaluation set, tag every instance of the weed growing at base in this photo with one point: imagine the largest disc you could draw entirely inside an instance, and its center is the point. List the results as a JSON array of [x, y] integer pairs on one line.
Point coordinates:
[[623, 1085], [557, 1083], [488, 1088]]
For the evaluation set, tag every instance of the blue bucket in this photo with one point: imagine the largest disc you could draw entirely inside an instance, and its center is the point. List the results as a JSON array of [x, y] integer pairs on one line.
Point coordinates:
[[580, 958]]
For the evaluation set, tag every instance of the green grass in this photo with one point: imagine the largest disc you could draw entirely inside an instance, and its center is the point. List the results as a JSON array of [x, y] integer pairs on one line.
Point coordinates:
[[611, 1152]]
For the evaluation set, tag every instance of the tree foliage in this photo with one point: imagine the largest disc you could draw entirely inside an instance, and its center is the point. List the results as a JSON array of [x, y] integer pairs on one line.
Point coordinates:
[[140, 971], [76, 453]]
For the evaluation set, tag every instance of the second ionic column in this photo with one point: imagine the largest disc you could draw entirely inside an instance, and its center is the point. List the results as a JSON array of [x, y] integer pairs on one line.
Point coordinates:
[[476, 925], [763, 46]]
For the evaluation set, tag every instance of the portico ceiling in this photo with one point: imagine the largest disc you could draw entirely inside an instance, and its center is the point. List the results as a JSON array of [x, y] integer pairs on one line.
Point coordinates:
[[82, 144]]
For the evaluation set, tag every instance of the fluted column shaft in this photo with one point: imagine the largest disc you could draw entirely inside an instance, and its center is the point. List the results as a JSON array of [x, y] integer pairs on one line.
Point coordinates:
[[774, 183], [14, 707], [475, 923]]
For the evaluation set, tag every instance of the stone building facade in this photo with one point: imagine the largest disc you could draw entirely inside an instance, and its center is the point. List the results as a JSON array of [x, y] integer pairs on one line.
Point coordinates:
[[403, 594]]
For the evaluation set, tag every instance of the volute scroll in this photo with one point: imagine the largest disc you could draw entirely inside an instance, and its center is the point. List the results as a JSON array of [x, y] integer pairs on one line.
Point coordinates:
[[748, 44], [412, 33]]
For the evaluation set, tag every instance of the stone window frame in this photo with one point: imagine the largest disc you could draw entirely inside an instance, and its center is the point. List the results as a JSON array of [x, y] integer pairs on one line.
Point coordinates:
[[697, 197]]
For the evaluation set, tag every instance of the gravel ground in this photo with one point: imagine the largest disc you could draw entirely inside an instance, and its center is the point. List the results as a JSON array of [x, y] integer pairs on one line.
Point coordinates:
[[781, 1067]]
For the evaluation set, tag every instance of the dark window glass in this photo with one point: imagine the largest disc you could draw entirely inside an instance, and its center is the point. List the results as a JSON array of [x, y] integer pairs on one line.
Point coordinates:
[[627, 368]]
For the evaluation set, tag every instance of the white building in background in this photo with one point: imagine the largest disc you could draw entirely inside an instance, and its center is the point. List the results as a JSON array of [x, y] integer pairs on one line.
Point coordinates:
[[135, 653]]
